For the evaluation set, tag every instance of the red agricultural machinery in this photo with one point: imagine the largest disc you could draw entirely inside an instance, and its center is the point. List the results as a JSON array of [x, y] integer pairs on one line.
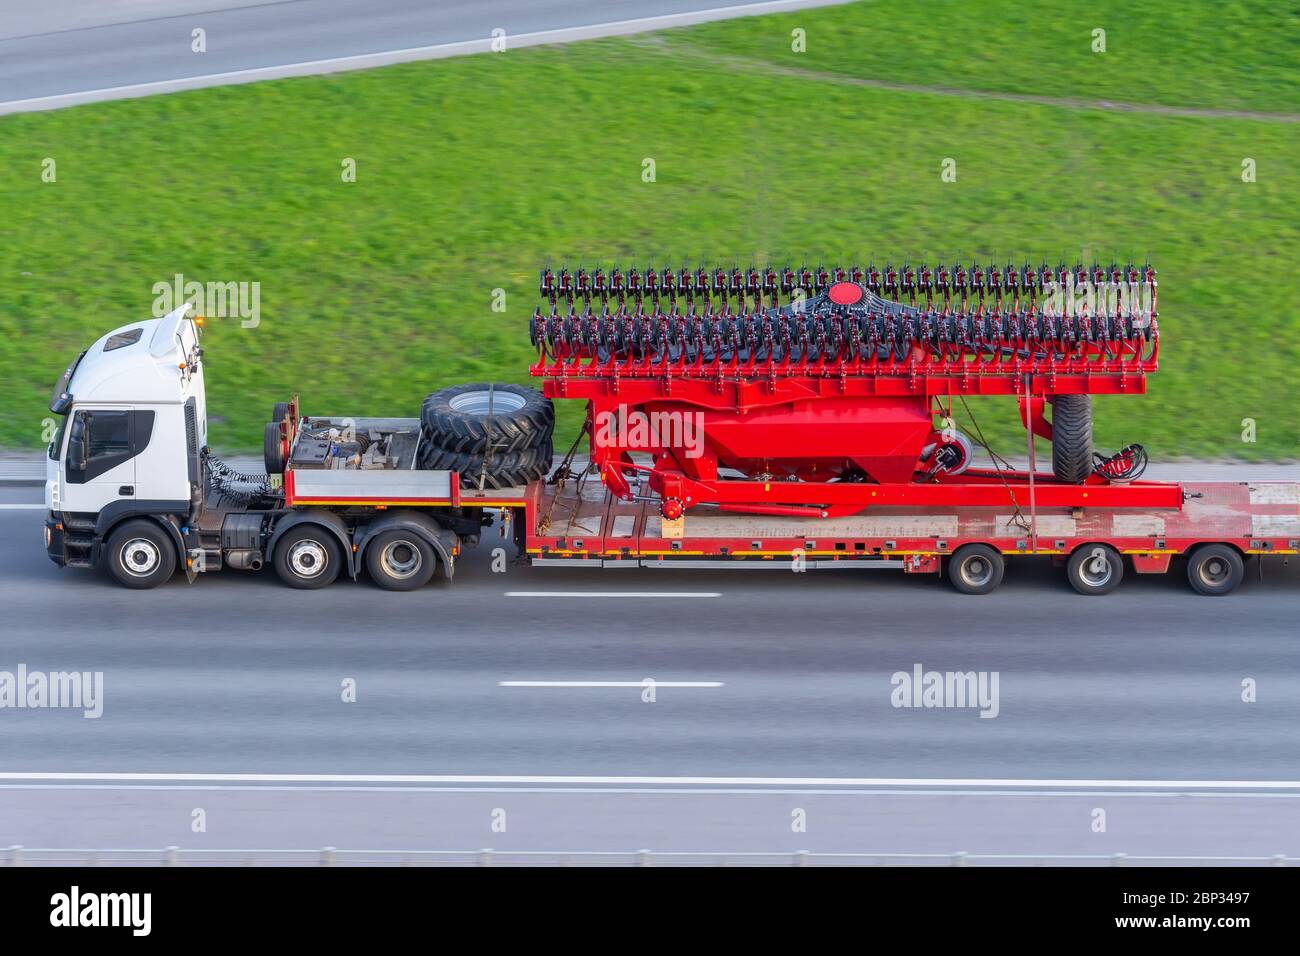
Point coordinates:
[[822, 392]]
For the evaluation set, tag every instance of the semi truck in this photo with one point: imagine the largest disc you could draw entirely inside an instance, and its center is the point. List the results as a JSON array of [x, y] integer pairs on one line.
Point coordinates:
[[132, 486]]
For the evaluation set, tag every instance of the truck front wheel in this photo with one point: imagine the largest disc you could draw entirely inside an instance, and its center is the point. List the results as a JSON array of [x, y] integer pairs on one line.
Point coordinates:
[[400, 560], [140, 555], [308, 557]]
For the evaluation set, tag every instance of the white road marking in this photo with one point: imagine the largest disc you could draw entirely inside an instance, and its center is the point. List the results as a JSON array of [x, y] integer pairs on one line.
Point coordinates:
[[980, 784], [387, 57], [615, 594], [669, 791], [22, 507], [648, 682]]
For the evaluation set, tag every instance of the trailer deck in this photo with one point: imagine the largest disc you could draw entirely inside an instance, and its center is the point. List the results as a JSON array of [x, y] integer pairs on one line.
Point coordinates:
[[592, 527]]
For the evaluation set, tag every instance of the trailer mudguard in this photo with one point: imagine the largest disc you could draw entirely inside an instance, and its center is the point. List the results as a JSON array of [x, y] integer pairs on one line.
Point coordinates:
[[327, 519], [439, 538]]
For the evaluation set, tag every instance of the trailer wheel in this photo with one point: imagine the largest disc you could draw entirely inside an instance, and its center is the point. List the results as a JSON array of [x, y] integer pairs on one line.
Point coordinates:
[[400, 560], [1215, 569], [976, 569], [308, 557], [280, 412], [1095, 569], [141, 555], [1072, 437]]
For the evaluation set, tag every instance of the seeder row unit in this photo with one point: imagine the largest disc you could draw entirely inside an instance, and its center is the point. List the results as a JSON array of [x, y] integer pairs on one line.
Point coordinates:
[[960, 282]]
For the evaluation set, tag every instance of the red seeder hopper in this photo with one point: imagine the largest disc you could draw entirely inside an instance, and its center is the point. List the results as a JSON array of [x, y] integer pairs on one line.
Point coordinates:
[[829, 390]]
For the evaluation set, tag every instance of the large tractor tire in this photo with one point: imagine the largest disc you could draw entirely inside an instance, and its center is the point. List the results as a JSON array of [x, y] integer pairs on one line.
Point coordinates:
[[1072, 437], [458, 434], [503, 470], [456, 419]]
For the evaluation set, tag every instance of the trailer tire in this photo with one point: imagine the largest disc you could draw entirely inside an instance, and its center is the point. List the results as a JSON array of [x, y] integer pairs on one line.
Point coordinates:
[[1072, 437], [976, 568], [1215, 569], [280, 412], [456, 419], [140, 555], [1095, 569], [400, 560], [272, 449], [308, 557]]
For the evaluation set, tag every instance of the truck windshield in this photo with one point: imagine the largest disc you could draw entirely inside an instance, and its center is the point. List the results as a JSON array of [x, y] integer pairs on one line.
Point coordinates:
[[56, 443]]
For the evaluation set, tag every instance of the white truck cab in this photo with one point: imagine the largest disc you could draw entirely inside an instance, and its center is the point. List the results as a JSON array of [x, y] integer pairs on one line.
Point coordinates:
[[134, 421]]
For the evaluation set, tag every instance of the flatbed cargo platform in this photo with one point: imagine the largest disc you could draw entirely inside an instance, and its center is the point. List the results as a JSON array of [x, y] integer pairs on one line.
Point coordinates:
[[594, 527]]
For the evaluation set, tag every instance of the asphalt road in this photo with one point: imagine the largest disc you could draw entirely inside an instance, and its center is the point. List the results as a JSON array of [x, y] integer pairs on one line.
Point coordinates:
[[83, 50], [237, 674]]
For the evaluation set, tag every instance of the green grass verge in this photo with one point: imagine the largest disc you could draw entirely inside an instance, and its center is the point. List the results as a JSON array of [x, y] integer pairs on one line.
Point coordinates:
[[1235, 55], [473, 172]]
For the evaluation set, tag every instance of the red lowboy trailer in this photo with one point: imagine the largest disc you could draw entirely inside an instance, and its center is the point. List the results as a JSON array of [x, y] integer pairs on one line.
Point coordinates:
[[725, 430]]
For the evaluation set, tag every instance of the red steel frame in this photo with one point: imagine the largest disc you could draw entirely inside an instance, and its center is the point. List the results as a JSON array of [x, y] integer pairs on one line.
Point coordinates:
[[691, 483]]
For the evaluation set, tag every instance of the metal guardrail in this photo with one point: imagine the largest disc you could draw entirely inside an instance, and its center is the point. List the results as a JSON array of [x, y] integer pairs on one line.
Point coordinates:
[[333, 856]]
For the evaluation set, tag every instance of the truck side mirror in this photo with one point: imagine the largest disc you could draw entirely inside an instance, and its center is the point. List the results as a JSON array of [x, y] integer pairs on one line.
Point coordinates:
[[77, 453]]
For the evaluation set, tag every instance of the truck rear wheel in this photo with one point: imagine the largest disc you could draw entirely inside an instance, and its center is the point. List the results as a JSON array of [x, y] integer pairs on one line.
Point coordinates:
[[1214, 569], [976, 569], [1095, 569], [140, 555], [308, 557], [400, 560]]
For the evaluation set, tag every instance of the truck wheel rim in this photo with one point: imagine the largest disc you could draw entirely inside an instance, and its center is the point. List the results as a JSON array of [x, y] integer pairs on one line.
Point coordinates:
[[1096, 572], [140, 557], [977, 571], [1213, 572], [401, 559], [477, 402], [308, 559]]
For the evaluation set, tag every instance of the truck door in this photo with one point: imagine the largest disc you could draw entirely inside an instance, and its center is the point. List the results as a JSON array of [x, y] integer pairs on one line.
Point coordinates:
[[100, 461]]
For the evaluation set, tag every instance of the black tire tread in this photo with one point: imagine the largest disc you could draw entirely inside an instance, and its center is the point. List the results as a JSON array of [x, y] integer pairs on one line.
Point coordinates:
[[504, 470], [1072, 437], [464, 433], [272, 455]]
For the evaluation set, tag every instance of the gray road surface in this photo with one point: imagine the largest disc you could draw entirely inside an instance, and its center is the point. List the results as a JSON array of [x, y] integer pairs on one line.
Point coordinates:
[[84, 50], [237, 674]]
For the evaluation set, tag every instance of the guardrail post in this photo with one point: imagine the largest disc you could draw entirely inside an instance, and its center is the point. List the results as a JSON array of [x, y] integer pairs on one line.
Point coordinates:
[[800, 857], [485, 857], [642, 857], [1119, 859], [170, 856], [1279, 859], [328, 855], [961, 858], [15, 855]]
